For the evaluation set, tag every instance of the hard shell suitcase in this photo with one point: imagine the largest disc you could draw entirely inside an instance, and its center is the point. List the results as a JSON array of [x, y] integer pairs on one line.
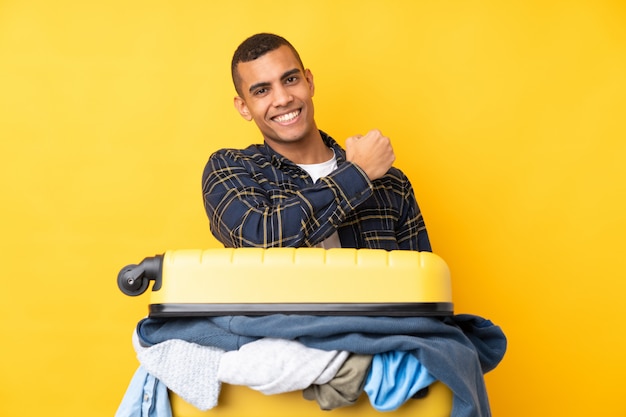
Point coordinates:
[[312, 281]]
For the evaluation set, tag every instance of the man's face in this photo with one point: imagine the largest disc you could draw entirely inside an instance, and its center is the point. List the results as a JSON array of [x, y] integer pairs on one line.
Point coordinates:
[[277, 94]]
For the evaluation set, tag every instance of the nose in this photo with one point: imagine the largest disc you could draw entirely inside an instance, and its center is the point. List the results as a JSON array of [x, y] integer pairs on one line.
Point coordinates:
[[282, 96]]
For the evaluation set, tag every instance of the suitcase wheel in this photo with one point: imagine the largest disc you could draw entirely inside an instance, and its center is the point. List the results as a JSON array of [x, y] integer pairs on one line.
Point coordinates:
[[131, 284]]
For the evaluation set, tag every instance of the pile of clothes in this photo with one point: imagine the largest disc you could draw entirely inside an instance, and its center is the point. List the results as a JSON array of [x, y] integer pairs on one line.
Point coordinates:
[[331, 359]]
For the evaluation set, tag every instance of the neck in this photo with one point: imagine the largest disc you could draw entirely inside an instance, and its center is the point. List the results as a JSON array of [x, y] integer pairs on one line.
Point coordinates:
[[310, 150]]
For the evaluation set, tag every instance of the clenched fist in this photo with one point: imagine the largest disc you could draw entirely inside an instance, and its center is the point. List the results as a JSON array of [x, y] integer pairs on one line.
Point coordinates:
[[372, 153]]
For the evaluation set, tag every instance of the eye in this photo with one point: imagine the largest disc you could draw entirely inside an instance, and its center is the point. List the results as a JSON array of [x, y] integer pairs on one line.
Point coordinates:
[[292, 79], [260, 91]]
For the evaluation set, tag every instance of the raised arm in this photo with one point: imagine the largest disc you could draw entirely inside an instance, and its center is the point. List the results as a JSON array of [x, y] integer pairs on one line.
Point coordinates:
[[246, 209]]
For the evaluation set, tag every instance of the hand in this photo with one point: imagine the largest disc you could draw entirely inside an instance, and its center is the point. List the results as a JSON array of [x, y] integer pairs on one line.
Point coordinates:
[[372, 153]]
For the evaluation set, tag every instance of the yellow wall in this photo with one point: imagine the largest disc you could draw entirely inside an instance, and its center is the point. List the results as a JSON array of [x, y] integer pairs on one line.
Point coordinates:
[[507, 116]]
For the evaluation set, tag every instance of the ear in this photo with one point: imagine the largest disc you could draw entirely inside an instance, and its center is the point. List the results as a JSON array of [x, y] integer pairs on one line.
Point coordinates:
[[242, 108], [308, 75]]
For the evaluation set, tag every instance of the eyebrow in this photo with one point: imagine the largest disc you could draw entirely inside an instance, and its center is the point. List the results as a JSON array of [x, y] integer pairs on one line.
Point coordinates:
[[267, 84]]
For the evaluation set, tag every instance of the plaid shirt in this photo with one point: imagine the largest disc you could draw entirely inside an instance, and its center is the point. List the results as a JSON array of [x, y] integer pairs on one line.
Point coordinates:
[[256, 197]]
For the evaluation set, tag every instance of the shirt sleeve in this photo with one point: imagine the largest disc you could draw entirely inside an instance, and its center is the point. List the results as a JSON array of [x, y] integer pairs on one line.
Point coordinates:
[[243, 213], [411, 233]]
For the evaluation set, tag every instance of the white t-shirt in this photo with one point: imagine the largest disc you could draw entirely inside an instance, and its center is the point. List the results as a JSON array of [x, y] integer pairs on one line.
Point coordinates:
[[316, 171]]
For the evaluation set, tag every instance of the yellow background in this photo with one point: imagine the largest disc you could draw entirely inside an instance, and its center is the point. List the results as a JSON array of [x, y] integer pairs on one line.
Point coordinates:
[[507, 116]]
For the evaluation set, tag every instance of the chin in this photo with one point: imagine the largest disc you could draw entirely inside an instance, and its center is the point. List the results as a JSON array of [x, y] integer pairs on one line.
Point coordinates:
[[288, 137]]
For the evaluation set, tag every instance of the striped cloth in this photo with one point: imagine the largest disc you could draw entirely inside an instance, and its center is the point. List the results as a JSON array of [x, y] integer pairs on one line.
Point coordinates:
[[255, 197]]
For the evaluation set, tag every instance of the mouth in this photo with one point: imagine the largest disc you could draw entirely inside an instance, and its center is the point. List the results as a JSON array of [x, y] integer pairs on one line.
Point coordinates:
[[287, 118]]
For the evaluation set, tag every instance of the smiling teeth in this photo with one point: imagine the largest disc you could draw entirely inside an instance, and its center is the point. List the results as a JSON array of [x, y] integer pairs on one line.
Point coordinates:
[[287, 117]]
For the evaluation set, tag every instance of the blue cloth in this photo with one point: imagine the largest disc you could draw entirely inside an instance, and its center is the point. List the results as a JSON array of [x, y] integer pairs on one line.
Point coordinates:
[[145, 396], [257, 197], [394, 378], [456, 350]]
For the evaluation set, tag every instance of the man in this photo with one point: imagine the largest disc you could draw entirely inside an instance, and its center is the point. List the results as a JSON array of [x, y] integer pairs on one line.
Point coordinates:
[[300, 188]]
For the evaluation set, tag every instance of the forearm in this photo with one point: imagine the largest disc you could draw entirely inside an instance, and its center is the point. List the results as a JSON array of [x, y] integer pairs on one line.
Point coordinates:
[[243, 213]]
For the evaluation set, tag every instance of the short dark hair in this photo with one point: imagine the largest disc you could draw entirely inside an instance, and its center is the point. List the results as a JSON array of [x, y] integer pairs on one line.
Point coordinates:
[[255, 47]]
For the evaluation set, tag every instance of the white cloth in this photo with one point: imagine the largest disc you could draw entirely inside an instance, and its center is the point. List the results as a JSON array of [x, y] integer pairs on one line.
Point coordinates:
[[316, 171], [188, 369], [274, 366]]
